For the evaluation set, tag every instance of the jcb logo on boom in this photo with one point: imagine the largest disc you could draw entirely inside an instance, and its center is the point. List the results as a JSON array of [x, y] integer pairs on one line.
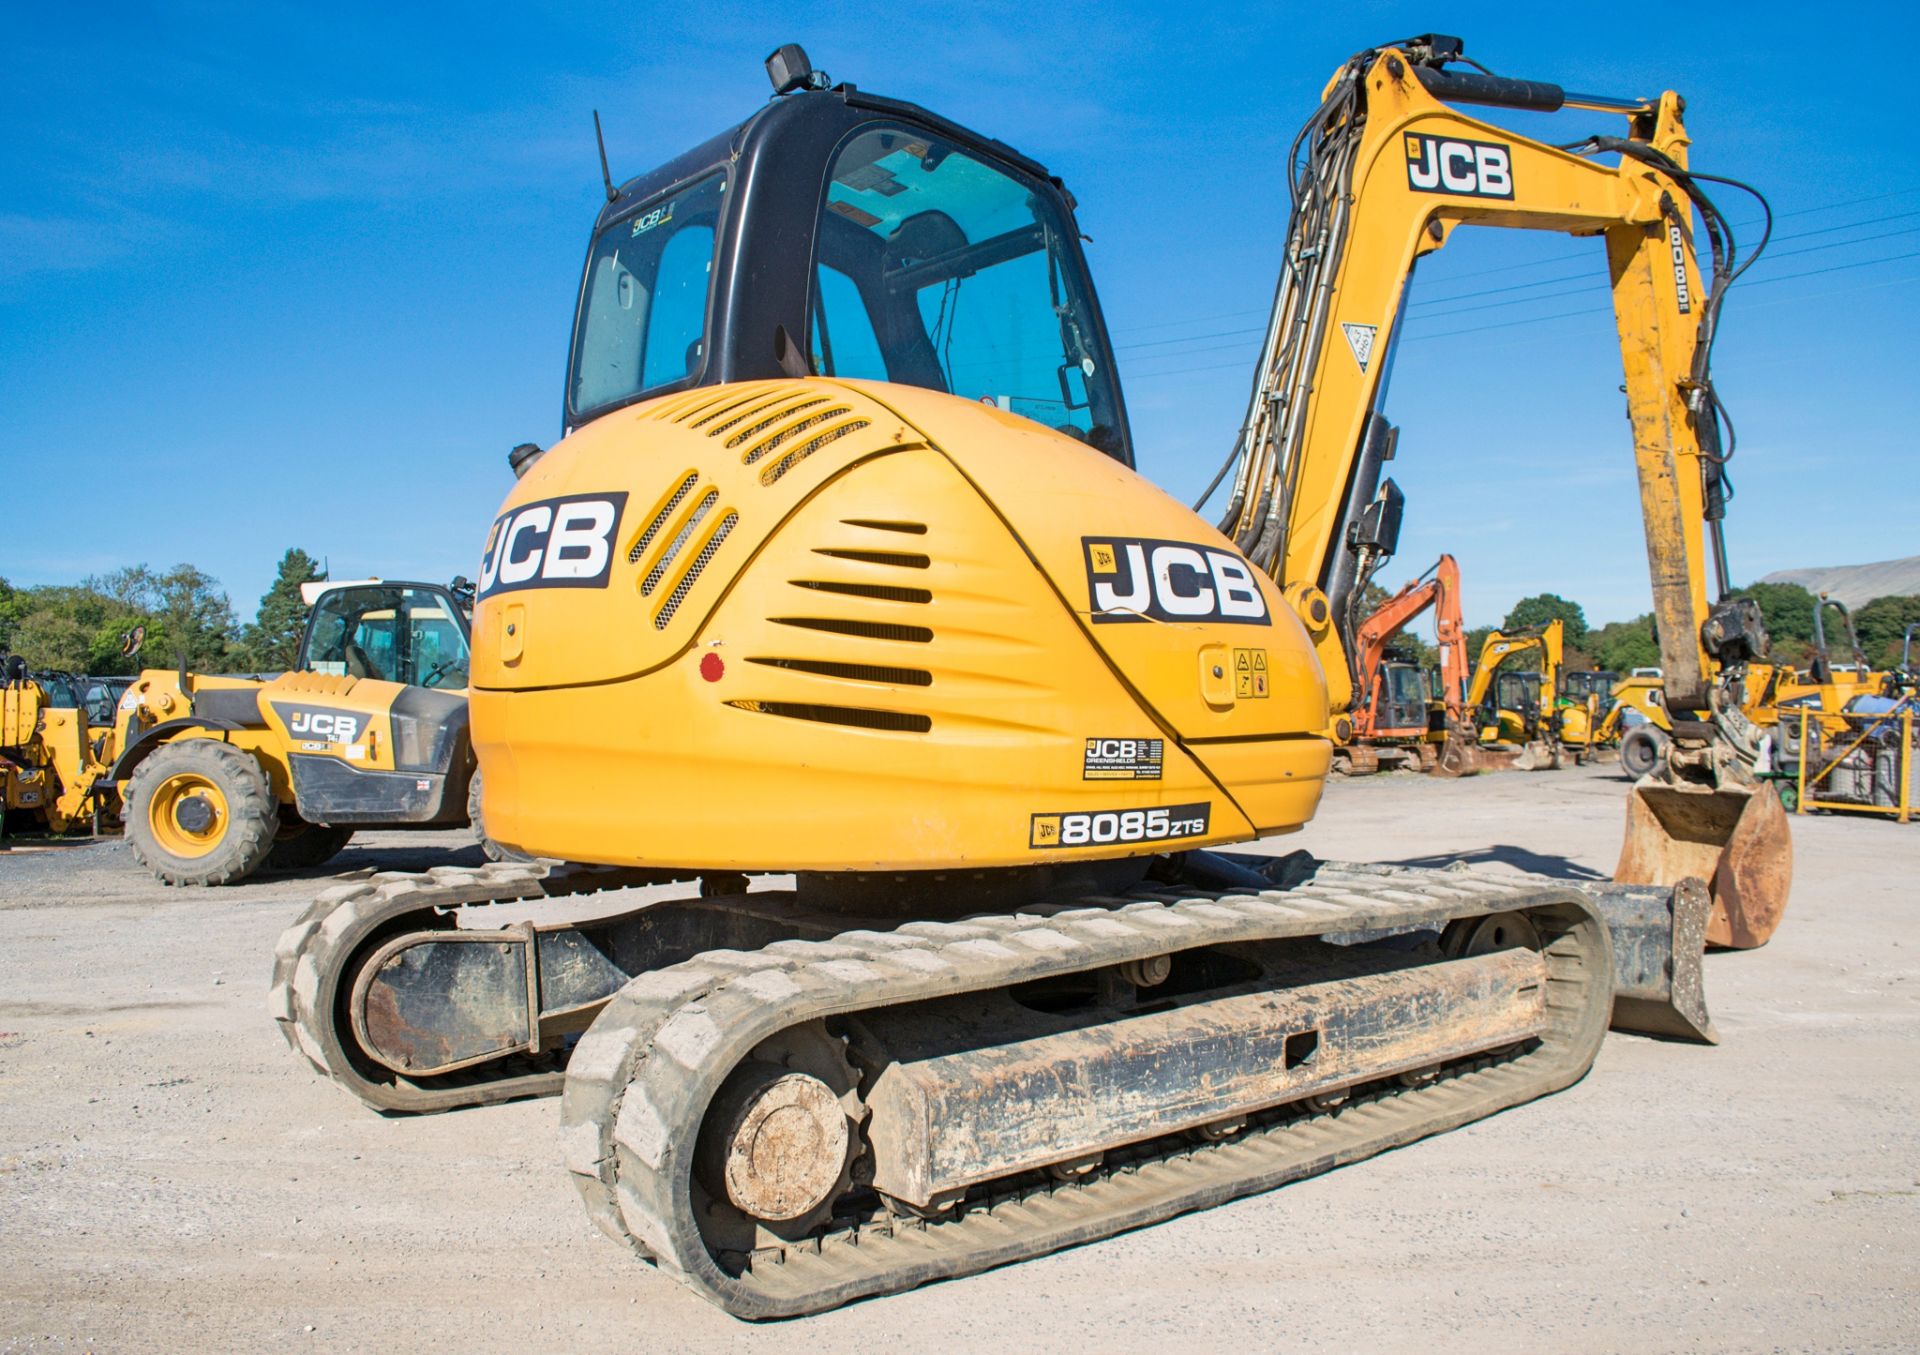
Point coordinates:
[[316, 724], [1129, 578], [555, 543], [1472, 169]]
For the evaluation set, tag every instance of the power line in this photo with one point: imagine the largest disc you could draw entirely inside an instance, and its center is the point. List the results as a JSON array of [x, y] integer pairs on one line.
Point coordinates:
[[1557, 259], [1601, 310], [1771, 254], [1589, 283]]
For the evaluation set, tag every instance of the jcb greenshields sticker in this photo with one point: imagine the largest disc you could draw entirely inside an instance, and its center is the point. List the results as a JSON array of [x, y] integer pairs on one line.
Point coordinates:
[[1122, 760], [1098, 828]]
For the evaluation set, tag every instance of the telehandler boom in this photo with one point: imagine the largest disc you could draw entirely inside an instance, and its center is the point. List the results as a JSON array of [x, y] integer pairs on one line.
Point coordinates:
[[842, 571]]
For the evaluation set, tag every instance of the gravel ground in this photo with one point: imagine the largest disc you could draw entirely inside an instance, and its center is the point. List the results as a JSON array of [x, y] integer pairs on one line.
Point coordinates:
[[172, 1178]]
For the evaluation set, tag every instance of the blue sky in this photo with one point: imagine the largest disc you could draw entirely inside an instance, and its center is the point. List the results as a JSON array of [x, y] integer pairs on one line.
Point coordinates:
[[276, 275]]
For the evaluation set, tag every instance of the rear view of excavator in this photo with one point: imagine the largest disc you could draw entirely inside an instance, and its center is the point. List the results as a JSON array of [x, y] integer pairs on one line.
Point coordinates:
[[843, 571]]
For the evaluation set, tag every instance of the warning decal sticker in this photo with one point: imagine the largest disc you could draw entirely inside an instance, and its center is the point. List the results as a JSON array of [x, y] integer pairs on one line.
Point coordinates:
[[1360, 340]]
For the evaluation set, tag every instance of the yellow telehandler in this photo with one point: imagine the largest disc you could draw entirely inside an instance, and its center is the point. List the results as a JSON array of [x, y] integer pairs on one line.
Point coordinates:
[[843, 571], [224, 776]]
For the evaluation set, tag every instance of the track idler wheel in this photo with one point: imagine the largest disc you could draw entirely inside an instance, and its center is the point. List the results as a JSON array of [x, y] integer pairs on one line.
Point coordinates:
[[778, 1143]]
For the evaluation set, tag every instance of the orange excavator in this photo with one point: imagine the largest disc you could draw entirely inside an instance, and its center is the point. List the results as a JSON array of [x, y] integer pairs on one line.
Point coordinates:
[[1395, 718]]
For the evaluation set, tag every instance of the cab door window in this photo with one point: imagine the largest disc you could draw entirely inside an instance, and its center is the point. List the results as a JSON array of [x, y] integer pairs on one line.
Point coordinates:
[[406, 635]]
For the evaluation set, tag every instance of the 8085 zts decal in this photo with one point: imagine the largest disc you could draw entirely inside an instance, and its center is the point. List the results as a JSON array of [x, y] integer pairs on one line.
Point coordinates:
[[1096, 828], [1129, 578], [555, 543]]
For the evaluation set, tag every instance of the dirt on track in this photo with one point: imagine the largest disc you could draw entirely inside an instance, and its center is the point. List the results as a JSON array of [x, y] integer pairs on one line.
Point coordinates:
[[172, 1178]]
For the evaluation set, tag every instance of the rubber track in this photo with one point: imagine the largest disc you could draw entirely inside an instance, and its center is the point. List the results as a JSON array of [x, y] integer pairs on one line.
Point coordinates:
[[640, 1079], [312, 956]]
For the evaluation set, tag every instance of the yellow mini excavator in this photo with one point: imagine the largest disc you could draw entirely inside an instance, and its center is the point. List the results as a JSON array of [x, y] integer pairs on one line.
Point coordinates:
[[843, 572], [1512, 701]]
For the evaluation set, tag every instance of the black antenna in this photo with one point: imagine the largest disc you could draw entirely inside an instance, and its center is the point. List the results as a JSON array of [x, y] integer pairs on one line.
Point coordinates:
[[613, 194]]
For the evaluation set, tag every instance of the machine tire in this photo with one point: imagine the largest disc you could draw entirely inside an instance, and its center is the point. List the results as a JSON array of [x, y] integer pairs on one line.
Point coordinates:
[[494, 851], [1642, 749], [300, 845], [221, 839]]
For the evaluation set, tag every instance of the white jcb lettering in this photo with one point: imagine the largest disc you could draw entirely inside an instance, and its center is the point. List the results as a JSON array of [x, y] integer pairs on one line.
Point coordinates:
[[1481, 169], [1495, 170], [578, 547], [519, 568], [328, 725], [1107, 598], [1239, 594], [1194, 599]]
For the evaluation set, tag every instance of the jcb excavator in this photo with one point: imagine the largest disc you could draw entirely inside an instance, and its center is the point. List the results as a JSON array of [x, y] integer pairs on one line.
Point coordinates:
[[1511, 699], [1395, 715], [843, 570]]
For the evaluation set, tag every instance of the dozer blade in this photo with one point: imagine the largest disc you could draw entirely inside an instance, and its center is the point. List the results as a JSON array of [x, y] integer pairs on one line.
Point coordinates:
[[1659, 935], [1733, 837]]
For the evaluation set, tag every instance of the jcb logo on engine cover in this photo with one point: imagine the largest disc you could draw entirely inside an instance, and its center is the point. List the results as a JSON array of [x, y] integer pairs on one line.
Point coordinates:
[[555, 543], [316, 724], [1471, 169], [1129, 578]]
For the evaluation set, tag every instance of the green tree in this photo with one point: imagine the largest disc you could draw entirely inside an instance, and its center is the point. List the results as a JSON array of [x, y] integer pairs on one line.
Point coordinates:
[[273, 640], [1542, 608], [49, 637], [185, 613], [1787, 609], [1622, 646], [1882, 624], [12, 606]]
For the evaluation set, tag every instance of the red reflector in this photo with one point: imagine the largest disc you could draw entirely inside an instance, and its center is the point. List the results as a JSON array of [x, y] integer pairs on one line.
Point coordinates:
[[711, 667]]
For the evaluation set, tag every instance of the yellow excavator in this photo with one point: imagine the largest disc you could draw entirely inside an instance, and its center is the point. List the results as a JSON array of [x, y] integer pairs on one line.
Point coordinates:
[[1512, 699], [843, 572]]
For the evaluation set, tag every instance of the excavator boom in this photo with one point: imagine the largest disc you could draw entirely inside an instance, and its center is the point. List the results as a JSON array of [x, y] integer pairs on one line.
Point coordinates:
[[1386, 170]]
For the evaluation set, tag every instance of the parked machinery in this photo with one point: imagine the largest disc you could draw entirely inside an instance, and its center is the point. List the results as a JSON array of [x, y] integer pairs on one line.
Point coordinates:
[[843, 570], [1403, 713], [1511, 699], [222, 776], [52, 756]]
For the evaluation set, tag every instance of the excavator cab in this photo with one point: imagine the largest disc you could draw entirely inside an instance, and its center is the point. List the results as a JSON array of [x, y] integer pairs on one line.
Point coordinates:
[[1403, 697], [935, 258]]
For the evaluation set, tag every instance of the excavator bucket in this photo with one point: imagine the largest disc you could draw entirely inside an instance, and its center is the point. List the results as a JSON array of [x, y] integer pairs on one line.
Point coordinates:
[[1733, 837], [1459, 753]]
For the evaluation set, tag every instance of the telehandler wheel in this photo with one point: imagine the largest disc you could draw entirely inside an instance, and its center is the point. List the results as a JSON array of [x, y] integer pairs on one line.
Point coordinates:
[[494, 851], [300, 845], [201, 812], [1641, 750]]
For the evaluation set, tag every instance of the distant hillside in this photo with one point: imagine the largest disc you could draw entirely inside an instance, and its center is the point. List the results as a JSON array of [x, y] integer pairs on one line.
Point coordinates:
[[1857, 585]]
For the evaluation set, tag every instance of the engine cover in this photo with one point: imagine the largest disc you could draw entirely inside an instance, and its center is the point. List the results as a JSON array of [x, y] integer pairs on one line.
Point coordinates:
[[826, 625]]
